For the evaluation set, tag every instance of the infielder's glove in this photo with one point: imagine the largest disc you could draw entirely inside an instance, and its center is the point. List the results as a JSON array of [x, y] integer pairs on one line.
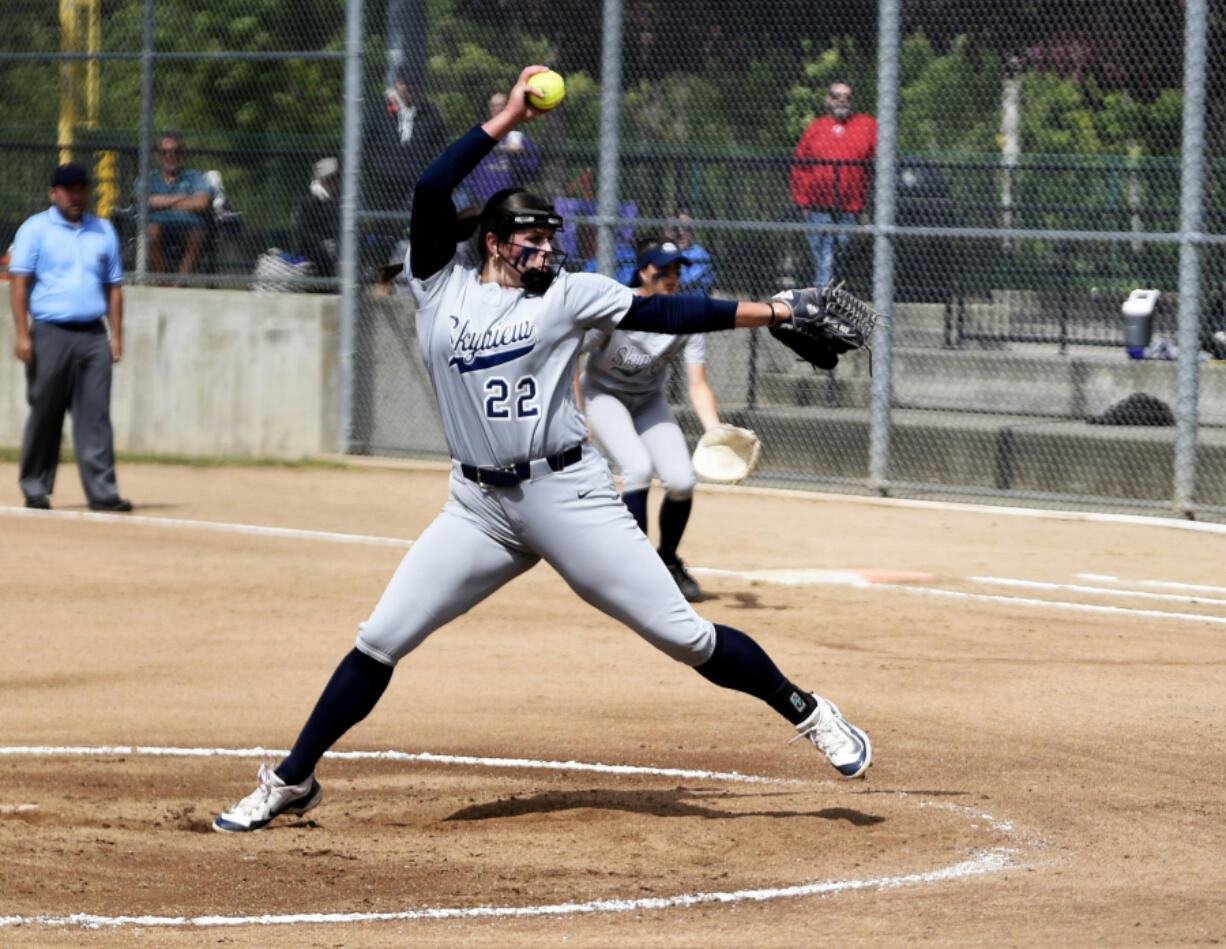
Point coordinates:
[[825, 323], [726, 454]]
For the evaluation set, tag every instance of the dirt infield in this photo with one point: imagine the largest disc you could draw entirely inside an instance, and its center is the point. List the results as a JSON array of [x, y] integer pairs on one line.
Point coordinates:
[[1049, 761]]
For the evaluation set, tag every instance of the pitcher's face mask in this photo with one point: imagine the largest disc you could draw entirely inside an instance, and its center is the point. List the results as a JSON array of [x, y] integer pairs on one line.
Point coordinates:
[[530, 249]]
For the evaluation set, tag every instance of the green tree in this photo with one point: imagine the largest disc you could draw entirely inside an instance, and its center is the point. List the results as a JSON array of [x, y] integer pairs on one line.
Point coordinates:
[[948, 103], [1062, 116]]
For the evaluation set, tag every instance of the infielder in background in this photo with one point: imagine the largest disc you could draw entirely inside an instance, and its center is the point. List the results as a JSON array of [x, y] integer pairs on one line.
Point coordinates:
[[623, 389], [500, 341]]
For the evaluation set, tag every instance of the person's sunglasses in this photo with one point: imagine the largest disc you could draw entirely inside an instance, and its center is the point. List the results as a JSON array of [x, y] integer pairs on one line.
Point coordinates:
[[839, 95], [170, 151]]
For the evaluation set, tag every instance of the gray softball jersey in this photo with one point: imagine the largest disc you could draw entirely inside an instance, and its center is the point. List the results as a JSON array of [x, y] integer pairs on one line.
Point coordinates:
[[502, 361], [632, 363]]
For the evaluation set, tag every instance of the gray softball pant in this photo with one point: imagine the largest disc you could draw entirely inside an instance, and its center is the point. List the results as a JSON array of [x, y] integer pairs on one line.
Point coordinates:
[[485, 536], [641, 435]]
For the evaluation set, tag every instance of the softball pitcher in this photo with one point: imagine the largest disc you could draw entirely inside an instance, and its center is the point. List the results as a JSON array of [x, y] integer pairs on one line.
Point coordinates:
[[500, 341], [623, 390]]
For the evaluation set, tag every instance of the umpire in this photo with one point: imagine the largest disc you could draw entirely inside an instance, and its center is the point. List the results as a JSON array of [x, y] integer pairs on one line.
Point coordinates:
[[65, 275]]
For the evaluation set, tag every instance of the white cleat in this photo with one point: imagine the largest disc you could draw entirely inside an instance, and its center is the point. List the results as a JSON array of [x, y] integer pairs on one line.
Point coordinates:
[[845, 746], [272, 798]]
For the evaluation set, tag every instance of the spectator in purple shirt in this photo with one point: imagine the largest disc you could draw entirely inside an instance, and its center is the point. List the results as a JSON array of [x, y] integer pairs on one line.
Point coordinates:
[[514, 162]]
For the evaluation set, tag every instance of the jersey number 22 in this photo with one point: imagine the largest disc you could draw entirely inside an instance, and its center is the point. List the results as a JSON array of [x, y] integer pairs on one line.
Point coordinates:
[[504, 400]]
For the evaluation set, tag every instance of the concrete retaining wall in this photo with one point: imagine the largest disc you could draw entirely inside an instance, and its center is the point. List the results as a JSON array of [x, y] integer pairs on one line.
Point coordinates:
[[211, 372], [1024, 378], [215, 372]]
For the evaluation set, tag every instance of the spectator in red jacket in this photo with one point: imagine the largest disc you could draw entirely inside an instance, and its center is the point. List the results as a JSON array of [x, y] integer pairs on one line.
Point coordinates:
[[830, 175]]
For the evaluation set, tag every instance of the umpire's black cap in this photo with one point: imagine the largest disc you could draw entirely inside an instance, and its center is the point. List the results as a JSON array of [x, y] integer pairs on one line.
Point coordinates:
[[69, 174]]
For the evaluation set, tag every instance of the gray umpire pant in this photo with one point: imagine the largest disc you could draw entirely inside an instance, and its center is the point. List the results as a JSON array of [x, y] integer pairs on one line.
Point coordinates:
[[71, 371]]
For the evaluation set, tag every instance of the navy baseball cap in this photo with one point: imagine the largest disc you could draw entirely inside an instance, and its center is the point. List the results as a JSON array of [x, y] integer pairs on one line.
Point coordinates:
[[69, 174], [660, 257]]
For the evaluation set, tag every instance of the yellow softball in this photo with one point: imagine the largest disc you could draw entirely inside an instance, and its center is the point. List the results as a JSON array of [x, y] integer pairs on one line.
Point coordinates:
[[552, 87]]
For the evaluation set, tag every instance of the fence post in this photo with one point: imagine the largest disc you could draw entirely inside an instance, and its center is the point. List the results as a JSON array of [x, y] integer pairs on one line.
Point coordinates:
[[146, 146], [883, 242], [610, 136], [1191, 214], [349, 241]]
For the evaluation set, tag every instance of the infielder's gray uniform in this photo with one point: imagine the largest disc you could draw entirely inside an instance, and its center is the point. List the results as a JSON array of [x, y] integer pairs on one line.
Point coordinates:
[[623, 387], [501, 362]]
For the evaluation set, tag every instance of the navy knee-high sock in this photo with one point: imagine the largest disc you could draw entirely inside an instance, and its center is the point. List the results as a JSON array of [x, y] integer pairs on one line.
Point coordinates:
[[636, 501], [350, 694], [674, 515], [740, 663]]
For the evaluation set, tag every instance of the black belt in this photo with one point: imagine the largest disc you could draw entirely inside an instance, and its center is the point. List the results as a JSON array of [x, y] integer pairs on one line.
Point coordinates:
[[512, 475], [77, 326]]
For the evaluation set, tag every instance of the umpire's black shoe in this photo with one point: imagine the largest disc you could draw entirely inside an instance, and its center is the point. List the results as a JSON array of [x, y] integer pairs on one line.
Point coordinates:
[[685, 583], [38, 501], [119, 504]]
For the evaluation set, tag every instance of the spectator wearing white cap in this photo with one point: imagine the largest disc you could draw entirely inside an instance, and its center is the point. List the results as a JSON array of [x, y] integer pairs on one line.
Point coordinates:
[[401, 132], [317, 219]]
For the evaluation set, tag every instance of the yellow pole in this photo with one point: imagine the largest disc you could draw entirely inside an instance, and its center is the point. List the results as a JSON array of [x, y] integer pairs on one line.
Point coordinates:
[[93, 68], [68, 79], [106, 171]]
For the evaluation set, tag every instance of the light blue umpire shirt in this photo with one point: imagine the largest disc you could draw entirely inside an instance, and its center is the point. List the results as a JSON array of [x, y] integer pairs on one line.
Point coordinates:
[[71, 264]]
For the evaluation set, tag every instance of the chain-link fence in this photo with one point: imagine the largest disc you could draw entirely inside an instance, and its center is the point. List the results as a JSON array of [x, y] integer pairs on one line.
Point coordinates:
[[206, 125], [999, 178]]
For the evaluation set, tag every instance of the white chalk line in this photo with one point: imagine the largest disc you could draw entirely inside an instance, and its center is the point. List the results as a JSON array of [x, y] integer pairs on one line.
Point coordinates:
[[991, 861], [424, 756], [1155, 584], [982, 862], [1055, 604], [819, 577], [1096, 591], [218, 526]]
